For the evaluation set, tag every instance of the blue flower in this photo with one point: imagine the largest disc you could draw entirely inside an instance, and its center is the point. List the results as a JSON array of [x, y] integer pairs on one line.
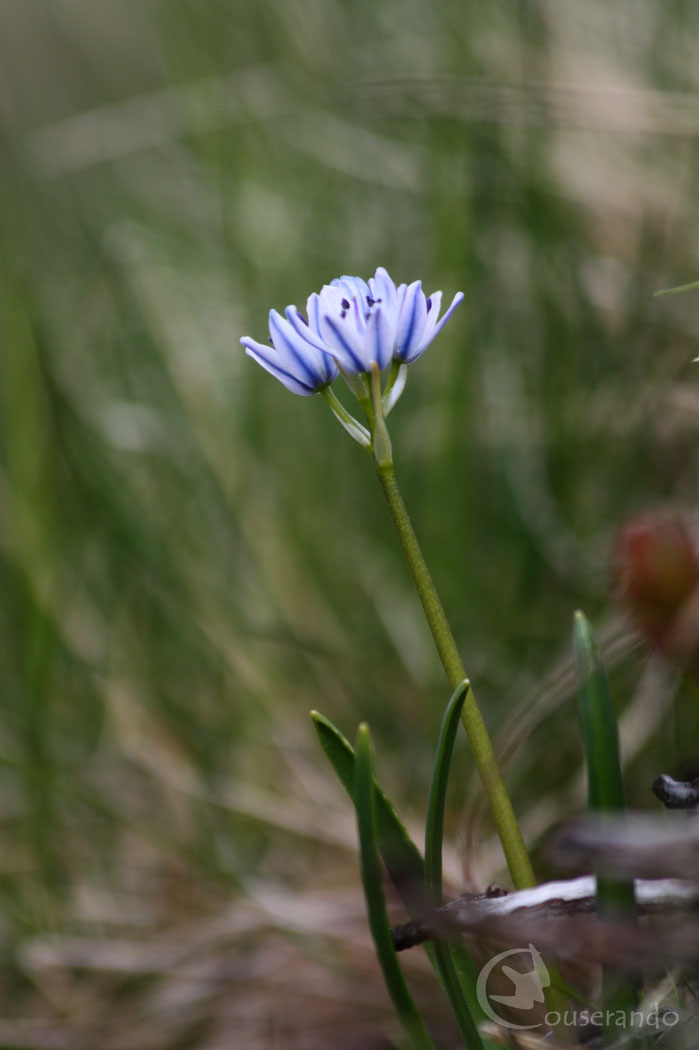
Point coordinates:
[[297, 357], [362, 323], [352, 324]]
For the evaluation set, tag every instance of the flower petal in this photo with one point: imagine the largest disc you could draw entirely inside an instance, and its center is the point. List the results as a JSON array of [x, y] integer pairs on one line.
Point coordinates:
[[429, 335], [383, 291], [297, 355], [312, 311], [329, 304], [343, 346], [434, 305], [269, 359], [342, 326], [411, 321], [351, 286], [379, 339], [303, 328]]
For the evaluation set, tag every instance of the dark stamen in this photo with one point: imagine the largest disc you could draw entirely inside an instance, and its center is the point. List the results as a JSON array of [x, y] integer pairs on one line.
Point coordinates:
[[428, 303], [370, 301], [269, 339], [345, 305]]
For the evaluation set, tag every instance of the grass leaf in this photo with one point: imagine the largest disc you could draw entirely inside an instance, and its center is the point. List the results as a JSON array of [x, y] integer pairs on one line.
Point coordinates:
[[678, 289], [598, 721], [364, 793], [403, 862], [461, 993], [605, 784], [400, 854]]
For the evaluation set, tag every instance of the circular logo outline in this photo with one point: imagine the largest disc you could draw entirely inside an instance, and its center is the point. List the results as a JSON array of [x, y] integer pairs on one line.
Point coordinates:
[[483, 997]]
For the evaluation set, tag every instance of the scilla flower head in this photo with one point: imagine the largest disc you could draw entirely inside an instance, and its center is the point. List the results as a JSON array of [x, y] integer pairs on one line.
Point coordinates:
[[353, 324]]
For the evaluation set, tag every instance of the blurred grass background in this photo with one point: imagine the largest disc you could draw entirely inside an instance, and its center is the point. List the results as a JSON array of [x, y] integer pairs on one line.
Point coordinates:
[[191, 558]]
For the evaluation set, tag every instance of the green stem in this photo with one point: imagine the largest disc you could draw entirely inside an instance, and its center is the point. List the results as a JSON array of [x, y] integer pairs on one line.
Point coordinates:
[[500, 805]]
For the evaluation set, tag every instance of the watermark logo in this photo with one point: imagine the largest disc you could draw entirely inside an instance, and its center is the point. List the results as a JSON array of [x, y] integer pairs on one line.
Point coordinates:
[[526, 982], [527, 985]]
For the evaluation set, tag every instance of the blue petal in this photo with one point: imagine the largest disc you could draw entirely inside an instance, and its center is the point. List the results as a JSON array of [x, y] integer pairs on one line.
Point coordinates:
[[323, 357], [439, 325], [411, 321], [413, 352], [380, 334], [456, 301], [312, 309], [435, 301], [351, 286], [383, 291], [348, 356], [382, 283], [342, 328], [329, 304], [265, 356], [344, 353], [298, 356]]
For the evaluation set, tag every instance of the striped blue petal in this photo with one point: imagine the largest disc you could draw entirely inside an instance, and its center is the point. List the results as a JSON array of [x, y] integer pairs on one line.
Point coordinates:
[[351, 286], [297, 355], [380, 333], [313, 313], [269, 359], [342, 325], [383, 292], [316, 350], [437, 324], [411, 321], [344, 346]]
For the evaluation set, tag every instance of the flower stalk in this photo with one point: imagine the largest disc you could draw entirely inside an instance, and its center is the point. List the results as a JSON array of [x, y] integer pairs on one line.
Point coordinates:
[[501, 807]]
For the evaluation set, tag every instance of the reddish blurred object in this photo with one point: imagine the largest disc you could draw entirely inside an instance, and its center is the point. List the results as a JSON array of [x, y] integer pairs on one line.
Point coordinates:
[[657, 579]]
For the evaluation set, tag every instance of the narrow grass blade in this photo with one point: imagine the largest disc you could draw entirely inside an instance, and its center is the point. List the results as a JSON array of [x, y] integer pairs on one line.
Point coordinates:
[[605, 784], [680, 288], [598, 721], [461, 994], [601, 743], [434, 829], [364, 793], [400, 854], [402, 859]]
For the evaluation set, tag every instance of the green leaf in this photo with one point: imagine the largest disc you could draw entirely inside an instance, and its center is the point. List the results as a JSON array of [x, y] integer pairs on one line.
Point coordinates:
[[364, 792], [400, 854], [434, 829], [680, 288], [461, 994], [605, 784], [599, 728], [403, 861]]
